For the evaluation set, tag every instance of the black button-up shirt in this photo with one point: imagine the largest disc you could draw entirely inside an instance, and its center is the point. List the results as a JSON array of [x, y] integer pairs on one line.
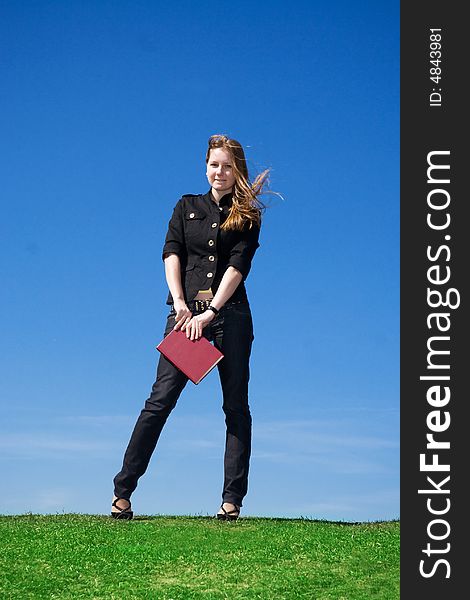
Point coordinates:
[[204, 249]]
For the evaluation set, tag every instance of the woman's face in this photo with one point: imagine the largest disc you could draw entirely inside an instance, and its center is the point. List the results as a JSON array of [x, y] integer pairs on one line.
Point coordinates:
[[219, 170]]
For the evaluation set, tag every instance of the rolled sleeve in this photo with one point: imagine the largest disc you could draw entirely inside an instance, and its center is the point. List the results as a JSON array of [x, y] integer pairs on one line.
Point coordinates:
[[243, 251], [174, 240]]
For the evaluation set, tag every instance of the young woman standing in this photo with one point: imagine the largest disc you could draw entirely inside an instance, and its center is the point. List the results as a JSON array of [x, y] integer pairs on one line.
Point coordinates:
[[208, 250]]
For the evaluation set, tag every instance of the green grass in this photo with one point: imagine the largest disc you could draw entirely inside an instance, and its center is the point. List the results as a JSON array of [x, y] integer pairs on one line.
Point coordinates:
[[74, 556]]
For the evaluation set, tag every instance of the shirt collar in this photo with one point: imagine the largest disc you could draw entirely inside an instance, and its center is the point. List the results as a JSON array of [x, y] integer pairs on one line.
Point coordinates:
[[226, 199]]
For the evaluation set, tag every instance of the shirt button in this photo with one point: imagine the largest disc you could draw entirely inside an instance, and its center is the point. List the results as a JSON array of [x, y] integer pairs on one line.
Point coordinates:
[[191, 216], [211, 242], [211, 258], [209, 274], [214, 225]]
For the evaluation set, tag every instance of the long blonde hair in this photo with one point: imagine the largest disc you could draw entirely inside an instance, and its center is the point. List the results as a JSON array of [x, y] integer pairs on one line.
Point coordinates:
[[246, 206]]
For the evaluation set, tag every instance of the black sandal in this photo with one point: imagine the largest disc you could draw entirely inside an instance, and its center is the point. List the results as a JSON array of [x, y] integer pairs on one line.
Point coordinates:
[[229, 515], [124, 513]]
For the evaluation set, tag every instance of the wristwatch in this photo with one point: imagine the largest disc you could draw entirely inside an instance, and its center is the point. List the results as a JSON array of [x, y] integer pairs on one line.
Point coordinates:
[[213, 309]]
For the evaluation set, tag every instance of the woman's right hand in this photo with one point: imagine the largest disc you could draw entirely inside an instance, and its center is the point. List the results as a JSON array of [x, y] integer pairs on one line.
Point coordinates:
[[183, 314]]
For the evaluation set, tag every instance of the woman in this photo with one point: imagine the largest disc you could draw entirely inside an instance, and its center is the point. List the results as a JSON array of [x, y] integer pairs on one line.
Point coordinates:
[[208, 250]]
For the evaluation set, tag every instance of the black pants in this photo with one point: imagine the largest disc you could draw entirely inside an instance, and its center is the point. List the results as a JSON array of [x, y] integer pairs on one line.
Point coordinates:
[[232, 333]]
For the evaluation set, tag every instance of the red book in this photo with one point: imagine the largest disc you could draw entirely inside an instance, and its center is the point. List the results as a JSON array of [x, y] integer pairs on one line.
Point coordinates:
[[196, 358]]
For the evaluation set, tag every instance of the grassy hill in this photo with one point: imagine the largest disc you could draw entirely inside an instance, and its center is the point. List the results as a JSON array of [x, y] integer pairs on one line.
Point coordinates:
[[75, 556]]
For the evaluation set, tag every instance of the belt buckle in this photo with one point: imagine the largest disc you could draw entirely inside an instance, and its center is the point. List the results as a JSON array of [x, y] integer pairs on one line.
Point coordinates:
[[200, 305]]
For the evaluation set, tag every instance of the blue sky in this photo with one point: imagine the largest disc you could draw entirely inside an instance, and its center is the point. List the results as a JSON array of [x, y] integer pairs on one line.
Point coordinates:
[[106, 111]]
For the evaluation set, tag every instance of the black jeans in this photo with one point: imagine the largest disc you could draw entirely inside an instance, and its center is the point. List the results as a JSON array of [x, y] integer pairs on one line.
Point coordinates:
[[232, 333]]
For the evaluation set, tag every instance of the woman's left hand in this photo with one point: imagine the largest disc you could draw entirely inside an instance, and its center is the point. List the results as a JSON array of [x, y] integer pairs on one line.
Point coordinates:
[[195, 326]]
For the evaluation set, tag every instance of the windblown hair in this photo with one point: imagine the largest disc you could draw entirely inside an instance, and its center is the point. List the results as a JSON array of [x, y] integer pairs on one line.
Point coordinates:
[[246, 206]]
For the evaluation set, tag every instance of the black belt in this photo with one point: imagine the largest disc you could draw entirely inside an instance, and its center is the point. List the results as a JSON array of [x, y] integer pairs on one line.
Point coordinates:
[[203, 305]]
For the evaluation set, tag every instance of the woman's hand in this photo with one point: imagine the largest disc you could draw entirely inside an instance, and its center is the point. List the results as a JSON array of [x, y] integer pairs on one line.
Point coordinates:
[[183, 314], [195, 325]]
